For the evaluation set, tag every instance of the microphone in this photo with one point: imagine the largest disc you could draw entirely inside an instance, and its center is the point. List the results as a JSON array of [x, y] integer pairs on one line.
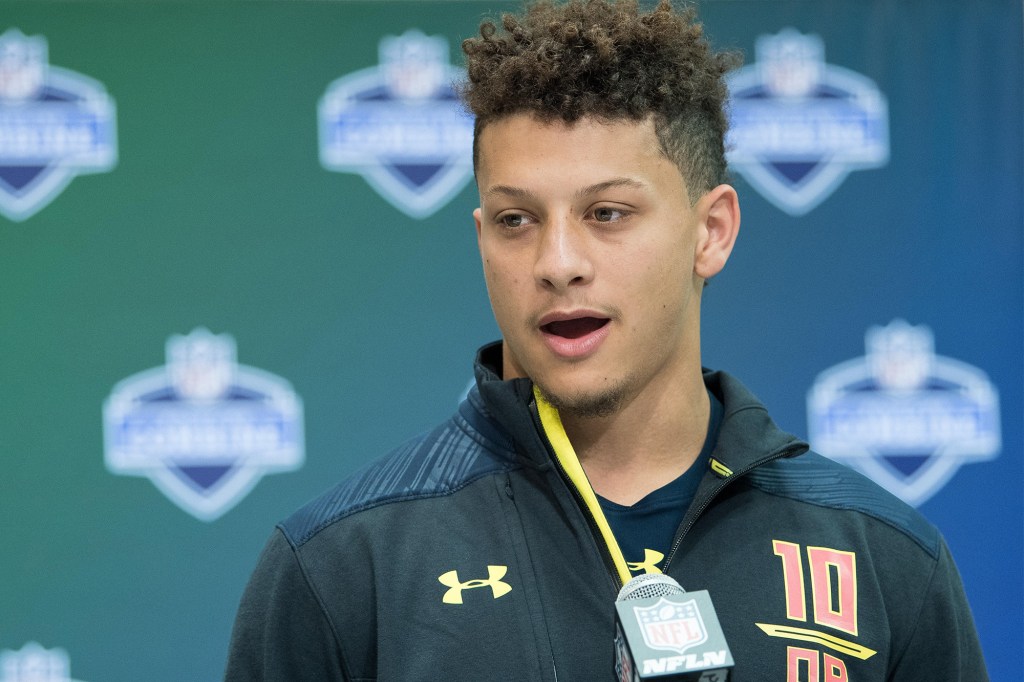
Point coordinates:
[[666, 634]]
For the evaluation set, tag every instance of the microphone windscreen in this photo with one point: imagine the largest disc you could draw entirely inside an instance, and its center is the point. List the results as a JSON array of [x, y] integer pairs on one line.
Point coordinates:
[[649, 585]]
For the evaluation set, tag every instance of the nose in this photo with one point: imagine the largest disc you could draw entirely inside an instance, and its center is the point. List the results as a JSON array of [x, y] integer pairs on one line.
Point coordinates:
[[562, 256]]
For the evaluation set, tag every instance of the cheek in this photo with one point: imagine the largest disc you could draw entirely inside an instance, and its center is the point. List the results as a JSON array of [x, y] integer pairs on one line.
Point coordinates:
[[502, 288], [663, 291], [501, 267], [659, 272], [498, 279]]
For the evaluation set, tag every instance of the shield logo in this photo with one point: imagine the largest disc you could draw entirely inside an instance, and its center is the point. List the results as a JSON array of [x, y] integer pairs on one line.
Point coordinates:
[[203, 429], [798, 126], [401, 125], [670, 625], [902, 415], [56, 124], [34, 663]]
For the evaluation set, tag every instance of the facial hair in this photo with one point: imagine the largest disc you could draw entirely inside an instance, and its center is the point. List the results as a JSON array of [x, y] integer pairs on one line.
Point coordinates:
[[595, 405]]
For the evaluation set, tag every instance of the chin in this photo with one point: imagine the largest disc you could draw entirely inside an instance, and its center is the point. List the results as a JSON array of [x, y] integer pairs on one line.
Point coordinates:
[[585, 404]]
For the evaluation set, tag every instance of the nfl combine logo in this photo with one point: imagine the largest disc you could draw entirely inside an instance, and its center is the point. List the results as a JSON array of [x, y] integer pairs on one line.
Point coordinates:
[[400, 125], [54, 124], [799, 126], [203, 429], [33, 663], [672, 626], [906, 417]]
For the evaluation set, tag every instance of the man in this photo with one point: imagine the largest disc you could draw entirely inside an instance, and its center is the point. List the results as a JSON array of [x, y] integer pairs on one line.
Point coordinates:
[[594, 447]]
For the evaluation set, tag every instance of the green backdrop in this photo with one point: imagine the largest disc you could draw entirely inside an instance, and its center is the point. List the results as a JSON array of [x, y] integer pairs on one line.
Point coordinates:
[[218, 214]]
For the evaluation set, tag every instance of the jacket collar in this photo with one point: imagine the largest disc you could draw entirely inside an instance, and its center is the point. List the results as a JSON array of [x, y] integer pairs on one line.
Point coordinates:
[[747, 433], [508, 403]]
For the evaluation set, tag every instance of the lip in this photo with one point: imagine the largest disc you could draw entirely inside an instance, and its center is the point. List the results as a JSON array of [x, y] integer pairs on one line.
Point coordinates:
[[581, 346]]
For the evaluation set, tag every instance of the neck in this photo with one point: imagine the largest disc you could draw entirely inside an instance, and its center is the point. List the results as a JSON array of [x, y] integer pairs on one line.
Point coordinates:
[[649, 442]]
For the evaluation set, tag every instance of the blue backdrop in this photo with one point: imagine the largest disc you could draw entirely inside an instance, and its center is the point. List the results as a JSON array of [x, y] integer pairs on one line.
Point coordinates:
[[237, 262]]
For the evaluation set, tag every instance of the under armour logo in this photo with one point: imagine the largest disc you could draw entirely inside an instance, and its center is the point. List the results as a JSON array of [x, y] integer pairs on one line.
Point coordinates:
[[650, 563], [494, 581]]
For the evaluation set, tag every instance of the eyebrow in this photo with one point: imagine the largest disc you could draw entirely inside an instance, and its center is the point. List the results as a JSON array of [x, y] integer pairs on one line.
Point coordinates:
[[508, 191], [520, 193], [629, 183]]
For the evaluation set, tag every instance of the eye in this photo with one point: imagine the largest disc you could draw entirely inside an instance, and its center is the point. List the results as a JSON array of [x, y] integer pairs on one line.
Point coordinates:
[[606, 214], [513, 220]]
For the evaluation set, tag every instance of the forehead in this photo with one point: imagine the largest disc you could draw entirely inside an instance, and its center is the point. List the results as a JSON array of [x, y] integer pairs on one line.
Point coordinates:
[[521, 143], [527, 124]]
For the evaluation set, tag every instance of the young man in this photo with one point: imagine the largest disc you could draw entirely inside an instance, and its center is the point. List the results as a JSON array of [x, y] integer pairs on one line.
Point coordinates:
[[594, 447]]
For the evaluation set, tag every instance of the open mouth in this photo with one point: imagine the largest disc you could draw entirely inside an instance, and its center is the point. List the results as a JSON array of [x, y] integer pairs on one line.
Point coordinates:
[[574, 328]]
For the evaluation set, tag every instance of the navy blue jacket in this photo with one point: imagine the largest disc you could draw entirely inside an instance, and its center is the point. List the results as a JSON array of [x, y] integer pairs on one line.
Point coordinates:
[[468, 554]]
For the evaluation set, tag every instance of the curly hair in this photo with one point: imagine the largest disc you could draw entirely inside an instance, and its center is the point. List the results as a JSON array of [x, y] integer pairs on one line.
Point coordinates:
[[608, 60]]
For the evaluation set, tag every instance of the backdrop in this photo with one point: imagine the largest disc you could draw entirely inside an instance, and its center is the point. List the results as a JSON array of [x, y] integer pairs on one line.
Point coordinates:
[[237, 262]]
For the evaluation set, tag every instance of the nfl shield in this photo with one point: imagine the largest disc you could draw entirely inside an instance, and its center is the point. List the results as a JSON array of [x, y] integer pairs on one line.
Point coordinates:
[[798, 125], [903, 415], [203, 428], [400, 125], [34, 663], [672, 626], [55, 124]]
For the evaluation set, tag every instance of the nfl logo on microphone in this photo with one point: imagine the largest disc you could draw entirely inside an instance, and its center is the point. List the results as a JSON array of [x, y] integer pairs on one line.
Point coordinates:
[[676, 637], [672, 626]]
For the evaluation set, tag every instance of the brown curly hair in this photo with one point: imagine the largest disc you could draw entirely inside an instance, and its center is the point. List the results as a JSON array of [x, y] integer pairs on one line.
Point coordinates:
[[607, 60]]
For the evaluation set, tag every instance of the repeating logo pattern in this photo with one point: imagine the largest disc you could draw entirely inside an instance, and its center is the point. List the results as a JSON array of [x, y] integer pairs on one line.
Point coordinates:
[[799, 125], [401, 125], [906, 417], [203, 429], [33, 663], [54, 124], [674, 626]]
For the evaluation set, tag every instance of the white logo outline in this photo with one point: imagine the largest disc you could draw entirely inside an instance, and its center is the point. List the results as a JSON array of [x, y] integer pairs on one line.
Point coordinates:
[[155, 427], [413, 125], [35, 663], [866, 409], [777, 115], [87, 123]]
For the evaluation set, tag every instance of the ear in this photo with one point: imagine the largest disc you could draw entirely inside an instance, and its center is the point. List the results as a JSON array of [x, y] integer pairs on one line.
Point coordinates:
[[718, 213], [476, 219]]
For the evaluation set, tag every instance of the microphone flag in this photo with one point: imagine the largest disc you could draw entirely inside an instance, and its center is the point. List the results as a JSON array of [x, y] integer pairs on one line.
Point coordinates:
[[666, 634]]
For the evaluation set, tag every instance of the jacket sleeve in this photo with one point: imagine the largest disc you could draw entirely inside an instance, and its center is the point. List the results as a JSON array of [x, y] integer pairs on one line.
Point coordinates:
[[281, 632], [944, 644]]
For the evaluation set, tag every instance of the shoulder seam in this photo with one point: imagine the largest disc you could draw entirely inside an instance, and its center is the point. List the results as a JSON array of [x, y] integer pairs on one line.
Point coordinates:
[[451, 456], [359, 508], [931, 551], [914, 527]]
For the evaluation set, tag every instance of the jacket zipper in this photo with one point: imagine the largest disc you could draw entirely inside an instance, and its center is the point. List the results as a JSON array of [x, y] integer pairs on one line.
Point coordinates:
[[581, 503], [714, 493]]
